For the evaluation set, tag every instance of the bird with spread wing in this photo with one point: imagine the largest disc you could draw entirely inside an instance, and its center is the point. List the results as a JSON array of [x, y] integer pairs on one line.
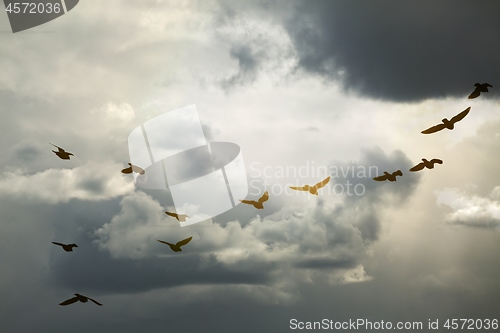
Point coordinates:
[[479, 89], [388, 176], [133, 168], [81, 298], [259, 203], [66, 247], [426, 164], [312, 189], [63, 154], [449, 124], [177, 247], [179, 217]]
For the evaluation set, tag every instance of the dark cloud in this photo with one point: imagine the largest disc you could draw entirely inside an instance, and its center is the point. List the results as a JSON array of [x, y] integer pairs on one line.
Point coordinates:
[[25, 152], [94, 271], [401, 51], [373, 162], [248, 65], [325, 264], [363, 210]]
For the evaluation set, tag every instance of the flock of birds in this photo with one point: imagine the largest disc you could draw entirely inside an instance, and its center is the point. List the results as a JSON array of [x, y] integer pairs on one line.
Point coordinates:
[[259, 204], [449, 124]]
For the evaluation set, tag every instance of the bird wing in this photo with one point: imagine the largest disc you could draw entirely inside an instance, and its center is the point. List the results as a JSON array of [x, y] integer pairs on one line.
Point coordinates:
[[380, 178], [165, 242], [434, 129], [127, 170], [172, 214], [460, 116], [322, 183], [397, 173], [93, 300], [488, 85], [435, 160], [248, 202], [69, 301], [60, 149], [264, 197], [137, 169], [184, 241], [303, 188], [418, 167], [60, 244], [475, 93]]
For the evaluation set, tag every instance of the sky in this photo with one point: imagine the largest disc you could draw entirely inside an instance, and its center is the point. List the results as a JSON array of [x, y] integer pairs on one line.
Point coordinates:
[[306, 89]]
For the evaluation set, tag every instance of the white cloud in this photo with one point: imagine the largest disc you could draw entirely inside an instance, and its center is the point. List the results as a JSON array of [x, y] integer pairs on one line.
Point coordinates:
[[353, 275], [471, 210], [91, 182], [117, 112]]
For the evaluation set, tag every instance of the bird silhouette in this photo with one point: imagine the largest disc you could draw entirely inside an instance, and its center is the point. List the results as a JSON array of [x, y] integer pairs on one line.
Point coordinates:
[[479, 89], [64, 155], [388, 176], [426, 164], [312, 189], [177, 247], [179, 217], [80, 298], [449, 124], [133, 168], [258, 204], [66, 247]]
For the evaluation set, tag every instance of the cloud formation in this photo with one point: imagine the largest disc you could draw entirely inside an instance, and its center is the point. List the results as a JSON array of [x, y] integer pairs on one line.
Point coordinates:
[[291, 246], [472, 210], [396, 50], [92, 181]]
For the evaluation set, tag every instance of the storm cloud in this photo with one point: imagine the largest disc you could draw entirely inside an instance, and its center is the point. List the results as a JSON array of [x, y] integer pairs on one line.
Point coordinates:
[[399, 51]]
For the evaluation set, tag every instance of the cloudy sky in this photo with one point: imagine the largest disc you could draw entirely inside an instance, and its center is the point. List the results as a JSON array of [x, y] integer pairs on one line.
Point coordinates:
[[327, 87]]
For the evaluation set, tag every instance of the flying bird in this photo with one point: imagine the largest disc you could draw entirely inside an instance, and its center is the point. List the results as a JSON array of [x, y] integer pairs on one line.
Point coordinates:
[[312, 189], [66, 247], [388, 176], [64, 155], [479, 89], [449, 124], [179, 217], [177, 247], [80, 298], [133, 168], [258, 204], [426, 164]]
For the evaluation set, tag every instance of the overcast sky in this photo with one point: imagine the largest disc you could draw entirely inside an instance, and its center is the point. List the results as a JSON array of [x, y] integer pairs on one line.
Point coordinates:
[[339, 88]]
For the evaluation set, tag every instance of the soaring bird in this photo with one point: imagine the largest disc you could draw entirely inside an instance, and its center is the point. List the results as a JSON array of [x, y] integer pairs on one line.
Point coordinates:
[[449, 124], [64, 155], [312, 189], [80, 298], [66, 247], [179, 217], [258, 204], [177, 247], [388, 176], [133, 168], [479, 89], [426, 164]]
